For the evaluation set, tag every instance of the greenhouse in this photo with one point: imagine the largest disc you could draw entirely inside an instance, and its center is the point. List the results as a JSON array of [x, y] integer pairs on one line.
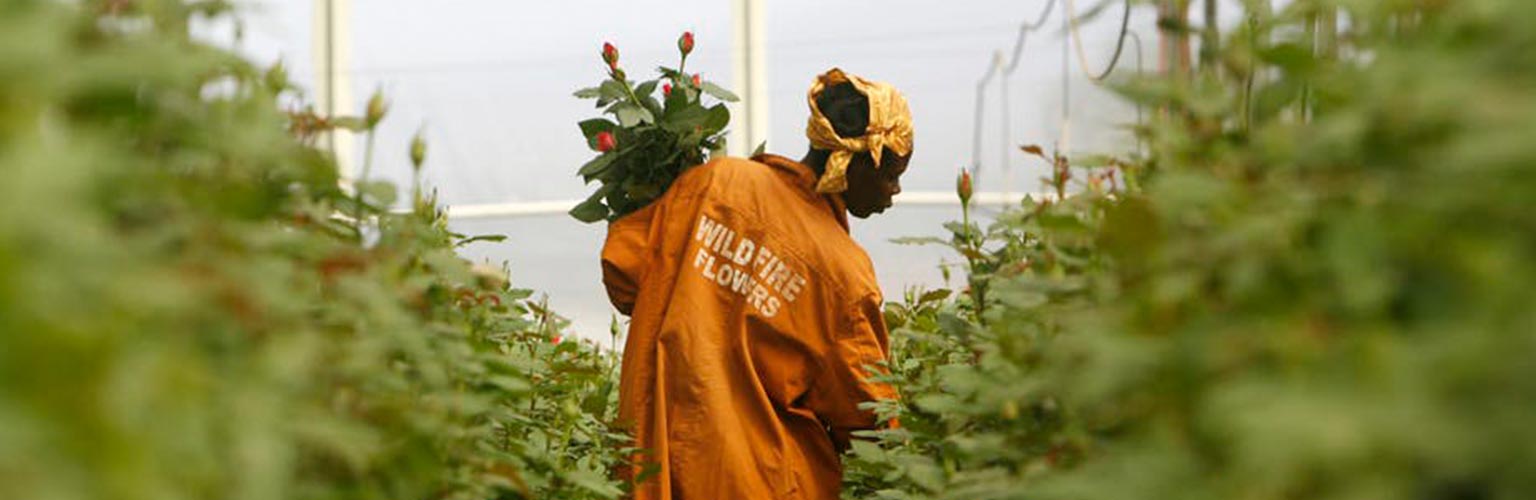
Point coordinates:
[[1047, 249]]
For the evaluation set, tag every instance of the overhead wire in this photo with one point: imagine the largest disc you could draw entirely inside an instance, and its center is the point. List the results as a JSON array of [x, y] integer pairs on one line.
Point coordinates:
[[998, 69], [993, 71], [520, 64], [1077, 41], [1114, 60], [1071, 20]]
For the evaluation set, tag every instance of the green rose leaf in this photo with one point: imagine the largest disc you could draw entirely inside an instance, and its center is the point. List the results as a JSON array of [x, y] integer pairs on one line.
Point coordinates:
[[1275, 97], [716, 118], [590, 129], [646, 88], [652, 105], [480, 237], [934, 296], [1294, 56], [631, 114], [594, 482], [719, 92], [611, 90], [380, 192], [597, 166], [590, 211], [683, 120]]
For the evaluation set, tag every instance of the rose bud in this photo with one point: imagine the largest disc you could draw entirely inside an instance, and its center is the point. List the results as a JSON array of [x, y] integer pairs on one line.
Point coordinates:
[[685, 43], [418, 150], [489, 276], [554, 339], [610, 55], [605, 142], [963, 186], [376, 108], [666, 90], [277, 76], [697, 82]]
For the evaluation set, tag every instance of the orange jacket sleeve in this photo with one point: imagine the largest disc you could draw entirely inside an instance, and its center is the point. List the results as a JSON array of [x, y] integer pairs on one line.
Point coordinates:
[[855, 355], [624, 256]]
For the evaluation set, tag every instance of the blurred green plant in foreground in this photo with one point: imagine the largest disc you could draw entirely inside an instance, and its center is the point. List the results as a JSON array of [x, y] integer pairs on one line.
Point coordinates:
[[1318, 282], [190, 306]]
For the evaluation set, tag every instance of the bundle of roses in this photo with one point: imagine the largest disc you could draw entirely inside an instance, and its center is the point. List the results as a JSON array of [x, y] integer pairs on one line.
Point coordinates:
[[647, 142]]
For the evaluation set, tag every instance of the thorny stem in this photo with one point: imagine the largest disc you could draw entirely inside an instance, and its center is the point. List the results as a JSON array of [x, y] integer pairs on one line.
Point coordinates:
[[565, 445], [357, 215], [973, 243], [627, 89], [1060, 168], [415, 189], [368, 155]]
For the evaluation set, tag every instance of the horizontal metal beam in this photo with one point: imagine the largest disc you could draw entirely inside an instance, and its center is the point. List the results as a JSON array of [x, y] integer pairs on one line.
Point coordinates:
[[560, 207], [948, 198], [511, 209]]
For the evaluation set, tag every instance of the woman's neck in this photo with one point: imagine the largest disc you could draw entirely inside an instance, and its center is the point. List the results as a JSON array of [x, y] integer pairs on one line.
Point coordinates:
[[817, 160]]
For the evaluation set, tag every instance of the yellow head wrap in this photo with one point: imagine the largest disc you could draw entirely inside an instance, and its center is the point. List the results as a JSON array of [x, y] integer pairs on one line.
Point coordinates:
[[890, 126]]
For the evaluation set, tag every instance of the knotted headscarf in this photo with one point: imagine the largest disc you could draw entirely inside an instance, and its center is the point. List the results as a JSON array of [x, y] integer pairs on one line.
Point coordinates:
[[890, 126]]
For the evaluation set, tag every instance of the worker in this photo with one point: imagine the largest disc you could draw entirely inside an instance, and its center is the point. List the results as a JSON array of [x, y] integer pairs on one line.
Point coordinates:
[[756, 323]]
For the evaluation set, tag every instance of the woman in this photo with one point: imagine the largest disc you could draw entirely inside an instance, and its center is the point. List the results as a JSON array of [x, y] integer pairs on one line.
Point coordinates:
[[755, 318]]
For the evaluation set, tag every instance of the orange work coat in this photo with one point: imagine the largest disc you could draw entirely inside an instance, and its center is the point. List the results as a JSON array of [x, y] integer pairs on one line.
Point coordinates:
[[755, 325]]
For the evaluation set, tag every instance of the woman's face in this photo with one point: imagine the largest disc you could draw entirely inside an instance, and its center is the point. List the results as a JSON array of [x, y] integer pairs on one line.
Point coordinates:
[[870, 189]]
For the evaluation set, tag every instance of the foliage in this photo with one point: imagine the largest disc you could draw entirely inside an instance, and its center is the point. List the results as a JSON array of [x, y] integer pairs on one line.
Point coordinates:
[[190, 306], [649, 142], [1316, 283]]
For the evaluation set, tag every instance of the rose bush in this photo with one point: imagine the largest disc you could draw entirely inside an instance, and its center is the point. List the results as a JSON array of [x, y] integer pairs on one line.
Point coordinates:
[[191, 307], [1316, 282]]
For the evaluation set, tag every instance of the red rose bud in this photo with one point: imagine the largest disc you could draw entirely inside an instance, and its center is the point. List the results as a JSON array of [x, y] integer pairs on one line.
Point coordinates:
[[610, 55], [605, 142], [963, 186], [554, 339], [697, 82], [685, 42], [666, 89]]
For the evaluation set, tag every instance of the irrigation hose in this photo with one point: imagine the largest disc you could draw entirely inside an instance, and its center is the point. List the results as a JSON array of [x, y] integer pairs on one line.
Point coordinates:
[[1077, 41]]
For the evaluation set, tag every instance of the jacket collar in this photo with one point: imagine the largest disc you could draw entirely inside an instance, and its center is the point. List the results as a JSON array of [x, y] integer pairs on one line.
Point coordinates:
[[805, 179]]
